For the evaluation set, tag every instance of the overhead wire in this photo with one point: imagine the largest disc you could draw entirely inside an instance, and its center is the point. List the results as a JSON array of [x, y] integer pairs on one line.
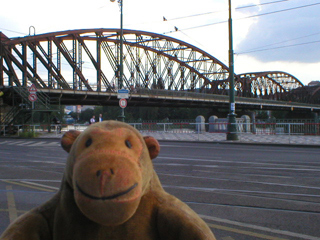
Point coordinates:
[[252, 16], [190, 16], [257, 15], [289, 40], [237, 8], [283, 10], [261, 4], [8, 30], [267, 49], [258, 49]]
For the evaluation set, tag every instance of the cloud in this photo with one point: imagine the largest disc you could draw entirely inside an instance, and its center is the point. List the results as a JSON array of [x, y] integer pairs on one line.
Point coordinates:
[[287, 36], [270, 31]]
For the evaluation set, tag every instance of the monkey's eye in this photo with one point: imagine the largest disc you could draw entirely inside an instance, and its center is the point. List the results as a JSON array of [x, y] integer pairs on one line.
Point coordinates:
[[128, 144], [88, 142]]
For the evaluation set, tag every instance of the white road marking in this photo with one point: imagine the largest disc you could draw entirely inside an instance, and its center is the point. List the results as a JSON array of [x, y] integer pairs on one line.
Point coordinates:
[[239, 191], [11, 204], [40, 185], [255, 227]]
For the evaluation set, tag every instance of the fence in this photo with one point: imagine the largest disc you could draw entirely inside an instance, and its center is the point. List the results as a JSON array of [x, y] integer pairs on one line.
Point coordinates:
[[283, 128], [276, 133], [32, 128], [256, 128], [190, 131]]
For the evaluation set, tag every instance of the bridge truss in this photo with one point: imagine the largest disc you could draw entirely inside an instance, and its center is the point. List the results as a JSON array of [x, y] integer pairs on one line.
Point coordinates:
[[88, 60], [272, 85]]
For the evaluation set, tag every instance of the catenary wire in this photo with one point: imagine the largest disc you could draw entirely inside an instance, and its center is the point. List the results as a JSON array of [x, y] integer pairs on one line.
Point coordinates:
[[237, 8], [289, 40], [267, 49], [252, 16]]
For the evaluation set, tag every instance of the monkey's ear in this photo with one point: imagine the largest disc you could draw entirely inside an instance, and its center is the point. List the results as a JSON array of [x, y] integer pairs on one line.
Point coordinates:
[[68, 139], [153, 146]]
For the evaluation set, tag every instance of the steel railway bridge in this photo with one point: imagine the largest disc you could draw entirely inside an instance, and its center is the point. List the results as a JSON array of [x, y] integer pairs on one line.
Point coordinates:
[[81, 67]]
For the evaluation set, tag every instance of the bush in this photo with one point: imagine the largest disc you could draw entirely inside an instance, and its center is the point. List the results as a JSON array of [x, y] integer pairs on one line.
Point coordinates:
[[28, 134]]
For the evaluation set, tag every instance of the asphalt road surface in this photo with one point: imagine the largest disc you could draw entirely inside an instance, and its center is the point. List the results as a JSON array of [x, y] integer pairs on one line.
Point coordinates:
[[241, 191]]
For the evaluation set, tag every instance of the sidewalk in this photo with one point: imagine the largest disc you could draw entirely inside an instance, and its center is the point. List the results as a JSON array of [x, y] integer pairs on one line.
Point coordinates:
[[305, 140], [243, 138]]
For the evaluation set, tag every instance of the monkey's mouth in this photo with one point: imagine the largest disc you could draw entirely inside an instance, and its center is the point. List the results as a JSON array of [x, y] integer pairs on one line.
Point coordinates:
[[107, 197]]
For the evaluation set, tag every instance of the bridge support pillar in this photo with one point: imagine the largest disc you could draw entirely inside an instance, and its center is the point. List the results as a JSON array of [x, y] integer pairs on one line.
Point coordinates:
[[246, 123], [252, 116], [200, 127], [213, 127]]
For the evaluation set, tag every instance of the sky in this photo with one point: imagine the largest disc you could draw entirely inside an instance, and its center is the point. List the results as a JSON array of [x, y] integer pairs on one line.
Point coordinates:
[[268, 35]]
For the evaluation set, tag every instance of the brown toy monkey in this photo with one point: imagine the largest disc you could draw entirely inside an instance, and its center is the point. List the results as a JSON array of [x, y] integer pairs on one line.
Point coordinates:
[[110, 191]]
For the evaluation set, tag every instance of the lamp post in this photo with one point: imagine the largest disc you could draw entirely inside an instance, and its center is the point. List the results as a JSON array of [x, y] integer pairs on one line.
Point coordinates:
[[232, 128], [120, 80]]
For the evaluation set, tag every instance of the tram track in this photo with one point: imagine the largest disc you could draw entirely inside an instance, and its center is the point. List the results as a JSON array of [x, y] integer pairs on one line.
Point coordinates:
[[239, 191], [248, 202], [253, 207], [242, 181]]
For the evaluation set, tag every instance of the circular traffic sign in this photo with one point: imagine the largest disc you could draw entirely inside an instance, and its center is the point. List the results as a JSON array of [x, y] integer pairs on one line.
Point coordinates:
[[32, 97], [123, 102]]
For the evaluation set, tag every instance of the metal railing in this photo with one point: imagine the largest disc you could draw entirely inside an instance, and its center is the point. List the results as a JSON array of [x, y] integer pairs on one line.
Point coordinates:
[[286, 133], [18, 130], [289, 133]]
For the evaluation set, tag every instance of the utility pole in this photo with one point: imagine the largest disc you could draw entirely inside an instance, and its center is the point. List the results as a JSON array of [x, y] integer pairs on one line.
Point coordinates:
[[232, 127], [121, 55], [121, 44], [120, 80]]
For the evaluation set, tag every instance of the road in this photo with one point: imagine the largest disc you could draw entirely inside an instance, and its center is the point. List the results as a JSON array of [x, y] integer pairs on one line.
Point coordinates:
[[241, 191]]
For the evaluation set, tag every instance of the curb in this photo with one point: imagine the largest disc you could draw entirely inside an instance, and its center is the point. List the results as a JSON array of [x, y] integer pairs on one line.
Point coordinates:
[[194, 141]]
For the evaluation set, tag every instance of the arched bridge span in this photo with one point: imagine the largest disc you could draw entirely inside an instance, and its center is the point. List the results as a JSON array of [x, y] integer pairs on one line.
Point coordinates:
[[271, 84], [89, 60]]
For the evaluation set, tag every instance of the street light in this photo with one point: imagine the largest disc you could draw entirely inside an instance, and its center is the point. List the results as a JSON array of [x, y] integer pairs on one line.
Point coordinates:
[[232, 127], [120, 80]]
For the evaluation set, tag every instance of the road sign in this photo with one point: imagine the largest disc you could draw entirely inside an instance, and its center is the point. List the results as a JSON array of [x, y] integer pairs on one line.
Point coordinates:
[[32, 97], [123, 103], [232, 106], [123, 93], [32, 88]]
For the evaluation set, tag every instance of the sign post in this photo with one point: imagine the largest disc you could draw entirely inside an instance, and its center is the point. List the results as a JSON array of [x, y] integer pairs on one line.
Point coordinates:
[[32, 97], [123, 95]]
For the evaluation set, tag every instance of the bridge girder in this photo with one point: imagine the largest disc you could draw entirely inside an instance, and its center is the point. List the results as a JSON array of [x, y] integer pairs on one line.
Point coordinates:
[[88, 59], [270, 84], [150, 61]]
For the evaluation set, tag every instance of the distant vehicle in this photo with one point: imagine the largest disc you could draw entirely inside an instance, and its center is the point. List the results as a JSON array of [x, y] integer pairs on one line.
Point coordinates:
[[69, 120]]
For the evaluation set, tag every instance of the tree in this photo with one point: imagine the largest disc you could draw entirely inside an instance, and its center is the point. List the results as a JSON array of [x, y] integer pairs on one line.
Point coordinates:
[[86, 115]]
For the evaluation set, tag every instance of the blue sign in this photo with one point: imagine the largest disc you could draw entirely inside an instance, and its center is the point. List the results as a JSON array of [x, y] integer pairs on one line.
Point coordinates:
[[123, 91]]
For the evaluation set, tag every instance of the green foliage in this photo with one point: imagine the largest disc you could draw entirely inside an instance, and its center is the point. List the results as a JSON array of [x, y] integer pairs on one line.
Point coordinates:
[[39, 115], [138, 114], [86, 115], [28, 134], [261, 115], [279, 114], [134, 114]]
